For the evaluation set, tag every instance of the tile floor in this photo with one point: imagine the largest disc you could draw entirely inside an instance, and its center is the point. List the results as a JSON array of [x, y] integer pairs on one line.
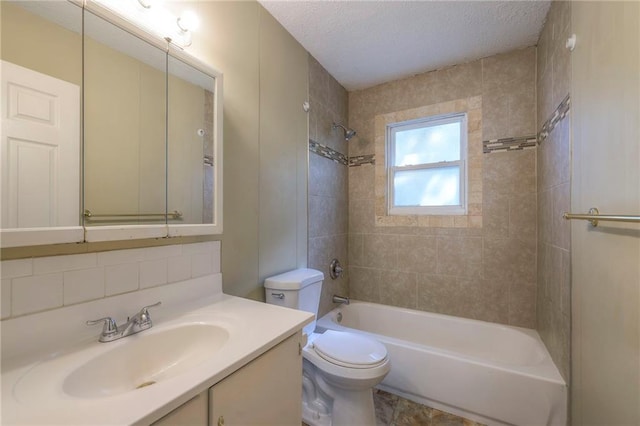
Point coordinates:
[[392, 410]]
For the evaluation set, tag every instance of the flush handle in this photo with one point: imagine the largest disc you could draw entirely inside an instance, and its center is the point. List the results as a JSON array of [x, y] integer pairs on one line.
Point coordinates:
[[278, 295]]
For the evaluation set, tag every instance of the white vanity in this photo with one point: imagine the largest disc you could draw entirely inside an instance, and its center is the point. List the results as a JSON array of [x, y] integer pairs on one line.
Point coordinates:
[[263, 391], [208, 359]]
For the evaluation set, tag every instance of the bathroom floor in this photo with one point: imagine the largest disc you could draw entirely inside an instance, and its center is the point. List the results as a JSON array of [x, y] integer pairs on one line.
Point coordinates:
[[392, 410]]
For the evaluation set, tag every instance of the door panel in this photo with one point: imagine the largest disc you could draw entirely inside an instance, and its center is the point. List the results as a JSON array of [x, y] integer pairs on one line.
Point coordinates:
[[32, 105], [32, 193], [40, 150]]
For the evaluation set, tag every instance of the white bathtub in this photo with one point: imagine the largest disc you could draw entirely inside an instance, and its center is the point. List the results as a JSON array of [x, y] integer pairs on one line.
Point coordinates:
[[487, 372]]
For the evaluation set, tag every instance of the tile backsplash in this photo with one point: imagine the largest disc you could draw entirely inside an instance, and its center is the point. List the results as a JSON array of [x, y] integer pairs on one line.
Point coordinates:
[[44, 283]]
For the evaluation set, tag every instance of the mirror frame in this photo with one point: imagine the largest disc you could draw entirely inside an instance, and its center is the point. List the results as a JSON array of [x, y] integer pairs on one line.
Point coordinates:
[[18, 237]]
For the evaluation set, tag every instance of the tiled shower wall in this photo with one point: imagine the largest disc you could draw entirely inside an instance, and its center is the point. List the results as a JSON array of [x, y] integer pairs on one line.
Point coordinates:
[[327, 181], [486, 272], [554, 190]]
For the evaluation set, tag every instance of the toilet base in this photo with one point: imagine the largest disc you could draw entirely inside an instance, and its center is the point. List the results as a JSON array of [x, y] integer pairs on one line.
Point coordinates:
[[353, 408], [316, 404], [345, 412], [324, 404]]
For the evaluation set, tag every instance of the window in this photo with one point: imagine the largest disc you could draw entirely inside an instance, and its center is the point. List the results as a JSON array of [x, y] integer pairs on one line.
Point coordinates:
[[427, 165]]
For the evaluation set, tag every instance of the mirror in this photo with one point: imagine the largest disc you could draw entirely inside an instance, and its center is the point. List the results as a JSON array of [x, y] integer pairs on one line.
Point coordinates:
[[41, 102], [125, 122], [147, 152], [191, 135], [194, 146]]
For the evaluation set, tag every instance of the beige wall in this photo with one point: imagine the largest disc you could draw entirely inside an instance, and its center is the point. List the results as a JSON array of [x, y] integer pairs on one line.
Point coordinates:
[[605, 127], [265, 141], [58, 51], [284, 132], [124, 132], [554, 189], [328, 191], [228, 39], [487, 272]]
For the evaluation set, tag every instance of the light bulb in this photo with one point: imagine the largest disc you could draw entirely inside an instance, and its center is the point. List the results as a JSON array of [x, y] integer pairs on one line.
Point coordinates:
[[188, 21], [146, 3]]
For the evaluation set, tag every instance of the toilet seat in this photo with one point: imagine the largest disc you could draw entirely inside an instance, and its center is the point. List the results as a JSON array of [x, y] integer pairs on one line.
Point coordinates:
[[349, 350]]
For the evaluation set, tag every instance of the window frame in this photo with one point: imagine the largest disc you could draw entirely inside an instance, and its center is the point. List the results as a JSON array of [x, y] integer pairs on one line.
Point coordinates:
[[424, 122]]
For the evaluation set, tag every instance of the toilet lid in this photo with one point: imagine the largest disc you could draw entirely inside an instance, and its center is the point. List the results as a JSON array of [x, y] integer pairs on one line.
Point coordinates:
[[349, 349]]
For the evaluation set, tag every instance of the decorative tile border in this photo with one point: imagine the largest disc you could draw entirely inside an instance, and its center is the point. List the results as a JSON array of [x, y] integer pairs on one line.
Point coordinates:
[[359, 160], [332, 154], [560, 113], [327, 152], [509, 144], [488, 146]]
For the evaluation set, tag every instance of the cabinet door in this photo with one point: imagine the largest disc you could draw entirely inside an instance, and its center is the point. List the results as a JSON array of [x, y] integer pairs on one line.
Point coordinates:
[[192, 413], [267, 391]]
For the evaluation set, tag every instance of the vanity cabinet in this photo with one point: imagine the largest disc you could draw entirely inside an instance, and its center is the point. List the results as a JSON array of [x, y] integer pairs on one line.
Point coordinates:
[[266, 391], [193, 412]]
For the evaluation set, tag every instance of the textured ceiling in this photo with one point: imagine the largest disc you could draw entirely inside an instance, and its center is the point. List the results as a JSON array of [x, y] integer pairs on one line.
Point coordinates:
[[364, 43]]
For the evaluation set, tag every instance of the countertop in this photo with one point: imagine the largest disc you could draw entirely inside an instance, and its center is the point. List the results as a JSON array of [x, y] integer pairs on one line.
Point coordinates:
[[253, 328]]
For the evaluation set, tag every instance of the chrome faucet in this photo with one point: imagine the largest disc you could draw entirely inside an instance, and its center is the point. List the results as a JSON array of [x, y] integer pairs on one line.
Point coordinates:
[[137, 323], [340, 299]]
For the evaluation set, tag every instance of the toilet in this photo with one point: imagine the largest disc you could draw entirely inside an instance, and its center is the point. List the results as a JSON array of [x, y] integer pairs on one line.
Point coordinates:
[[339, 369]]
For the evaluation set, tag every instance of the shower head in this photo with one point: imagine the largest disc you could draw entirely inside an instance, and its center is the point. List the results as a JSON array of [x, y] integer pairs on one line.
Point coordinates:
[[348, 133]]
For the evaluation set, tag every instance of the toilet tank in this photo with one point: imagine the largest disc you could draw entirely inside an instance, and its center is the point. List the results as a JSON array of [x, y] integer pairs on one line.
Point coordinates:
[[298, 289]]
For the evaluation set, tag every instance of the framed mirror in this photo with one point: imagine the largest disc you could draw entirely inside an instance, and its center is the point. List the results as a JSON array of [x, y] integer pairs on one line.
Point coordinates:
[[41, 127], [146, 130], [160, 172], [194, 166]]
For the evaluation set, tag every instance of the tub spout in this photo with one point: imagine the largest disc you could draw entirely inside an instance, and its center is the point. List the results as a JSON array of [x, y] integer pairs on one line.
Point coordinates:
[[340, 299]]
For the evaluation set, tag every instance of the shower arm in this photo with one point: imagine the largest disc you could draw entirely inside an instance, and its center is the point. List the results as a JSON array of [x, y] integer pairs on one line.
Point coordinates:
[[348, 133]]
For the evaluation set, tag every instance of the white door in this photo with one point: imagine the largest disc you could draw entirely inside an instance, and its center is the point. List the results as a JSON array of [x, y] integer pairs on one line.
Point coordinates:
[[605, 109], [40, 155]]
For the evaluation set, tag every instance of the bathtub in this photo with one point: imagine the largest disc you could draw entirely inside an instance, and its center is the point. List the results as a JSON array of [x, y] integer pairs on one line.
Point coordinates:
[[487, 372]]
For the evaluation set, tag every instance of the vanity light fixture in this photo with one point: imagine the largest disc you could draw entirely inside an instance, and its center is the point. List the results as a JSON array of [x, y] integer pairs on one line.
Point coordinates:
[[151, 16]]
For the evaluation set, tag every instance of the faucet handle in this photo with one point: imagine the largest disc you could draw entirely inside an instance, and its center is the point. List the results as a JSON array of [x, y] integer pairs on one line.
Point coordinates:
[[143, 315], [109, 326], [151, 306]]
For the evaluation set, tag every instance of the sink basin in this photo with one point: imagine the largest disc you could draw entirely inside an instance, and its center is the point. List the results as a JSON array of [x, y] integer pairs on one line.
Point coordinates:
[[145, 360], [135, 362]]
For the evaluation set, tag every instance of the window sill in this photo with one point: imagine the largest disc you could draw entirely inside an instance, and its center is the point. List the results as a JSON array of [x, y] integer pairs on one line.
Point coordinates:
[[428, 211]]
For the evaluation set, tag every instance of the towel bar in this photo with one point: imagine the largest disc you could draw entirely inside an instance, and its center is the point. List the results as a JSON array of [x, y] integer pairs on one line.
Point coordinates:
[[594, 216]]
